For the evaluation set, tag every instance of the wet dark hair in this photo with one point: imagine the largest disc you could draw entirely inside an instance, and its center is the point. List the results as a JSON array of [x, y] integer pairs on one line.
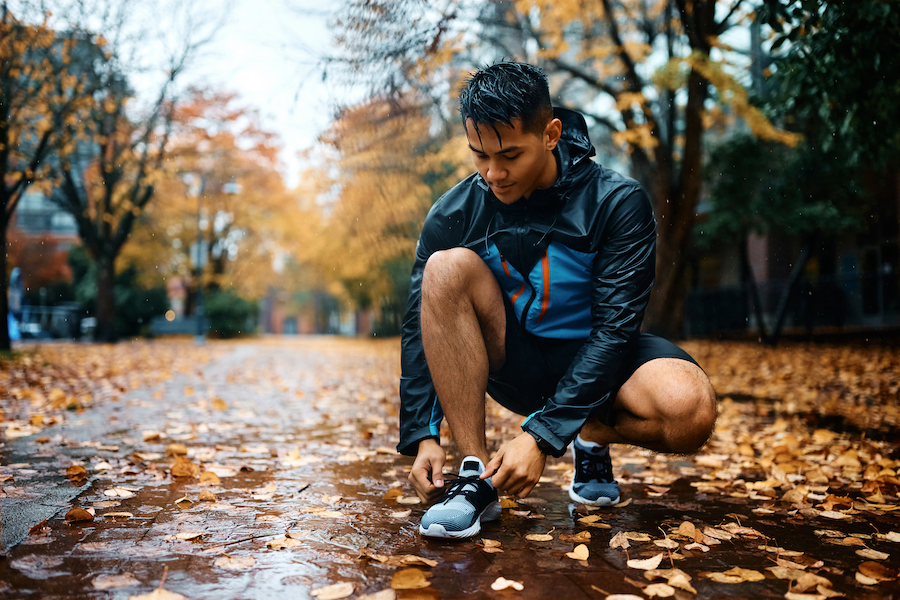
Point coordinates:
[[503, 91]]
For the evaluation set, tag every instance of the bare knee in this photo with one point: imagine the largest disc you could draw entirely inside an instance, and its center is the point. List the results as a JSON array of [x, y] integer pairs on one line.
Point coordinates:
[[449, 273], [691, 413]]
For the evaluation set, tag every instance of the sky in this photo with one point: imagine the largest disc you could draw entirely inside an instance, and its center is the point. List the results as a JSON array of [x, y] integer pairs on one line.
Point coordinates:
[[268, 52]]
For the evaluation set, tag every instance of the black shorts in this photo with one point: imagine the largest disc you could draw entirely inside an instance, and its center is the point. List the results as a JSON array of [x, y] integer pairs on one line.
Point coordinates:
[[534, 366]]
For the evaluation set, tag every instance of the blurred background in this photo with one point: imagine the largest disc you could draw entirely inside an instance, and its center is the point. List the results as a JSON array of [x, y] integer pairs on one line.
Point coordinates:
[[229, 168]]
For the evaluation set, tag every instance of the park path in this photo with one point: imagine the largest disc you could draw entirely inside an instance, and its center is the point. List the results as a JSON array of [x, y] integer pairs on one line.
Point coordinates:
[[290, 488]]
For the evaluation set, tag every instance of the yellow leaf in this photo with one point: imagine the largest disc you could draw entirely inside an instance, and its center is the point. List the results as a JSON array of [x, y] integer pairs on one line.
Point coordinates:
[[78, 514], [209, 478], [409, 579], [219, 404], [501, 583], [660, 590], [647, 564], [736, 575], [539, 537], [333, 592], [580, 552]]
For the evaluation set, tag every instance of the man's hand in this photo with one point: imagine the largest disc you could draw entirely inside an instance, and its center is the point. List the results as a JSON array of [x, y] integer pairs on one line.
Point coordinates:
[[427, 474], [517, 466]]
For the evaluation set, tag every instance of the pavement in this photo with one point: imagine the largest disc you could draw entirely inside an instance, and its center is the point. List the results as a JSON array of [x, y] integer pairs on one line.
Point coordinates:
[[290, 488]]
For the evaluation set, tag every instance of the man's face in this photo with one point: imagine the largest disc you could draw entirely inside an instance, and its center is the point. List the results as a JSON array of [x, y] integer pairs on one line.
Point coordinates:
[[515, 163]]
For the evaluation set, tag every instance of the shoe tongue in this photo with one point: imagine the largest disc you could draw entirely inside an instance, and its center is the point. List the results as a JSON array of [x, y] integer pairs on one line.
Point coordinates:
[[471, 466]]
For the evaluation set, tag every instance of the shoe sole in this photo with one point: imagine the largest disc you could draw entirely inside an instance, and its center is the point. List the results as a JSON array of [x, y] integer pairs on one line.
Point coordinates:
[[604, 501], [436, 530]]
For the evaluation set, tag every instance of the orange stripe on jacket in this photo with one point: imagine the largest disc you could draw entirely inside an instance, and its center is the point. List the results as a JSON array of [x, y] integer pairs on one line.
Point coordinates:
[[521, 287], [545, 302]]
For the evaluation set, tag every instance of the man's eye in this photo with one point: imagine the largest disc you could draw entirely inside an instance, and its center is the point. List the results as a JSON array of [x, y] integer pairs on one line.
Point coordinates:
[[513, 157]]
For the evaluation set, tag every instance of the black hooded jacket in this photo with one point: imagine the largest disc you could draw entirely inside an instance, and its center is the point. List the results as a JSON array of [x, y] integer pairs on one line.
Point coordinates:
[[577, 262]]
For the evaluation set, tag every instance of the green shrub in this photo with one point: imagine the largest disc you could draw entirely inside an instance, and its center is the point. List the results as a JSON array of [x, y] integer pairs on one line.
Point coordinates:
[[229, 315]]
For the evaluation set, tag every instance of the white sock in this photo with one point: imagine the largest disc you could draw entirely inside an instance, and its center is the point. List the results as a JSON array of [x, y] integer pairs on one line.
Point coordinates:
[[593, 447]]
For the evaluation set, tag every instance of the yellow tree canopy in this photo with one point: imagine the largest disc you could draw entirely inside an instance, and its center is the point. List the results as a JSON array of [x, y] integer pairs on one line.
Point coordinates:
[[366, 193], [223, 176]]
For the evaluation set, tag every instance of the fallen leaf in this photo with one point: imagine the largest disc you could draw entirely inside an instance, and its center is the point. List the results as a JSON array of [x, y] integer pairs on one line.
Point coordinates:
[[873, 554], [176, 449], [188, 535], [409, 500], [623, 597], [580, 552], [660, 590], [282, 543], [501, 583], [539, 537], [579, 538], [235, 562], [219, 404], [206, 496], [401, 560], [118, 492], [646, 564], [636, 536], [666, 543], [105, 582], [76, 472], [865, 579], [877, 571], [334, 591], [185, 468], [409, 579], [209, 478], [619, 541], [401, 514], [392, 494], [184, 502], [77, 515], [736, 575], [697, 546], [118, 515]]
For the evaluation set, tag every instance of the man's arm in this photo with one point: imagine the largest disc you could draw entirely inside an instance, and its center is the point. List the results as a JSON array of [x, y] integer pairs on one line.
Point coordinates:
[[622, 276]]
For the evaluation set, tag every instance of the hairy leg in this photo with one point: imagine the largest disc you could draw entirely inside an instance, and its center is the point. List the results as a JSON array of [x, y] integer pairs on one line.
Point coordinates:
[[463, 325], [667, 405]]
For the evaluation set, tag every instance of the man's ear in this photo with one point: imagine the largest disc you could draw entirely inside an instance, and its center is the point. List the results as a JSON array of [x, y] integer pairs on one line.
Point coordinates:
[[552, 133]]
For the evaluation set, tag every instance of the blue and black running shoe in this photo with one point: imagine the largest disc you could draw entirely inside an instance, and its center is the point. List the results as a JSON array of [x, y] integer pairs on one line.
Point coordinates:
[[593, 482], [467, 501]]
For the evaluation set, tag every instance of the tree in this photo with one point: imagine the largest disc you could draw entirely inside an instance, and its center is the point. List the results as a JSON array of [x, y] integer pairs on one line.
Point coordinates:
[[650, 72], [365, 197], [766, 188], [222, 177], [108, 183], [835, 78], [40, 94]]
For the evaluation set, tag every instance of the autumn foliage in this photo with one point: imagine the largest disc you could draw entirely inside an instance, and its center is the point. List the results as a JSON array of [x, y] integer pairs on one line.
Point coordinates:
[[366, 194]]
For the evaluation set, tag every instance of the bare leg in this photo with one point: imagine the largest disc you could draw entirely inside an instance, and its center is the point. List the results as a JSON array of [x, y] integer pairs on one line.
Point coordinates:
[[667, 405], [463, 325]]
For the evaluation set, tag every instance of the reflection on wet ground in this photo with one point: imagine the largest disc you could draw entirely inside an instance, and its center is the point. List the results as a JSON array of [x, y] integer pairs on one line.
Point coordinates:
[[307, 492]]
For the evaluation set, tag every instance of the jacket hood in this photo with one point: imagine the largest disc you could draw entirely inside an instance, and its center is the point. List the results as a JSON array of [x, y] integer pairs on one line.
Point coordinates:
[[573, 149]]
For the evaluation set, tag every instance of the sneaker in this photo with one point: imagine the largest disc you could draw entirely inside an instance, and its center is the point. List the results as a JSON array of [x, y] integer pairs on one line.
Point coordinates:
[[467, 501], [593, 482]]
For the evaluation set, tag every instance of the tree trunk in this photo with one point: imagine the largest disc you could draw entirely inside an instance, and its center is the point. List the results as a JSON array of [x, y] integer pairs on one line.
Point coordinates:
[[676, 205], [788, 294], [750, 282], [5, 344], [106, 301]]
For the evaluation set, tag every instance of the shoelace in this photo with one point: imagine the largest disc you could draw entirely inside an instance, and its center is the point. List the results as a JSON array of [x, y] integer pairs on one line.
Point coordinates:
[[457, 486], [596, 468]]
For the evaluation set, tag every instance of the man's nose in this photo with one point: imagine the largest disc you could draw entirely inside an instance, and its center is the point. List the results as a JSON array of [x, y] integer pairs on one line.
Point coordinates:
[[495, 173]]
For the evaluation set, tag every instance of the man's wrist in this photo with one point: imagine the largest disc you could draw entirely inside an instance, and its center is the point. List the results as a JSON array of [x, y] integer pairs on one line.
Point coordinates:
[[542, 444]]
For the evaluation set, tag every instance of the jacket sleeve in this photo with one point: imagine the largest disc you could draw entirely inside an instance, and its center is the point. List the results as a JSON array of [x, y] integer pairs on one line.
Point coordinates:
[[420, 411], [622, 276]]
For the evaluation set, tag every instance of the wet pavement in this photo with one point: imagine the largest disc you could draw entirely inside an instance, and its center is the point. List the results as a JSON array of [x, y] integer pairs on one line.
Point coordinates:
[[291, 484]]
